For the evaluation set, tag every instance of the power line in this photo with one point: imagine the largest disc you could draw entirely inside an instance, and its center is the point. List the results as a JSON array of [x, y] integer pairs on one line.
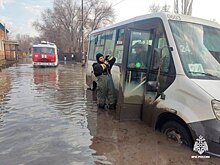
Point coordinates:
[[118, 3]]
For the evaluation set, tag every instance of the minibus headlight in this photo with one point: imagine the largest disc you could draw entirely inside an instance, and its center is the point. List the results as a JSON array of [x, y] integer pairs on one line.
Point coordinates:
[[216, 108]]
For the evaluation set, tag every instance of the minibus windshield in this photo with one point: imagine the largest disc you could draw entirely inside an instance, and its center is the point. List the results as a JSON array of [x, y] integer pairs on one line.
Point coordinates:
[[198, 48]]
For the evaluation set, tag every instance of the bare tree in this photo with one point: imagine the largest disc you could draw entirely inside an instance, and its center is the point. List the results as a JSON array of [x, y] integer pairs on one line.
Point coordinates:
[[165, 8], [63, 23], [183, 7], [24, 43], [60, 25], [98, 13], [154, 8]]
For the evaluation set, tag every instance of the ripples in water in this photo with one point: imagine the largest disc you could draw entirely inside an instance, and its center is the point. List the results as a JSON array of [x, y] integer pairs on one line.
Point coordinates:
[[46, 119]]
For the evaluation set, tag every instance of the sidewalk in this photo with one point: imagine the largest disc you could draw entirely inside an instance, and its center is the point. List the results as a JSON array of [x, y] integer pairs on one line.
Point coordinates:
[[6, 63]]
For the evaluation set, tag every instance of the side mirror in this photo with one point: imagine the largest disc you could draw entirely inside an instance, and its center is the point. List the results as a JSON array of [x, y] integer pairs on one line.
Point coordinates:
[[153, 86]]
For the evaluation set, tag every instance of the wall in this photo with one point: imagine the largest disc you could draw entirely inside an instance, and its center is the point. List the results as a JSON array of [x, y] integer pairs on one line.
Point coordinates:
[[2, 37]]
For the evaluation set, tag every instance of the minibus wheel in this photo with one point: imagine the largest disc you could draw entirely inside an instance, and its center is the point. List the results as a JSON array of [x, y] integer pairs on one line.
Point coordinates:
[[177, 132]]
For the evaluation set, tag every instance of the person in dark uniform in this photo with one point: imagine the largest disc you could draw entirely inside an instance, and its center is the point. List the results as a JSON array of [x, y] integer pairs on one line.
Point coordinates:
[[106, 96], [137, 61]]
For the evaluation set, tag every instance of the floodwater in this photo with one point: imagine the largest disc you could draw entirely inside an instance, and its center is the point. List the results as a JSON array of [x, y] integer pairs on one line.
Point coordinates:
[[47, 117]]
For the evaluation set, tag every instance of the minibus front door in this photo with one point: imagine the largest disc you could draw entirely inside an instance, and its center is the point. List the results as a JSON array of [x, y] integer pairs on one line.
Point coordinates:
[[160, 76], [137, 58]]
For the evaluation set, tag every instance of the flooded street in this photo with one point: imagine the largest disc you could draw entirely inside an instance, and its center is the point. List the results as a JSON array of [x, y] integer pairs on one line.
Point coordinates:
[[48, 118]]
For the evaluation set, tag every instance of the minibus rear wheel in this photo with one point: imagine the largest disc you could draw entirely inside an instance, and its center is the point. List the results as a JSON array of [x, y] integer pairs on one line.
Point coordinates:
[[177, 132]]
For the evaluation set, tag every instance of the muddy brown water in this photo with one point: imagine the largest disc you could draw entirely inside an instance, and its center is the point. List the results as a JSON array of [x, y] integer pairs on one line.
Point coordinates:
[[48, 118]]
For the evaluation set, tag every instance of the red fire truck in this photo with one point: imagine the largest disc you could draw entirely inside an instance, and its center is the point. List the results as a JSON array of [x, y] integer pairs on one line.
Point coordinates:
[[44, 54]]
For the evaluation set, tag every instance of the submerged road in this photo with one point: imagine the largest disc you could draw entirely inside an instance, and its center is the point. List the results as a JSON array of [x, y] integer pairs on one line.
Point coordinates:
[[47, 117]]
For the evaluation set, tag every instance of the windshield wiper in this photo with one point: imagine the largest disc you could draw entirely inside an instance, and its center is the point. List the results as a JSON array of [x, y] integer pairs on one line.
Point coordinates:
[[206, 74]]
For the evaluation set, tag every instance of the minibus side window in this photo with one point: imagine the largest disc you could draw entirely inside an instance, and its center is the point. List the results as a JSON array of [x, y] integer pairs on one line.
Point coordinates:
[[109, 42], [139, 49], [100, 44], [118, 54], [165, 57], [165, 62], [93, 39], [211, 41]]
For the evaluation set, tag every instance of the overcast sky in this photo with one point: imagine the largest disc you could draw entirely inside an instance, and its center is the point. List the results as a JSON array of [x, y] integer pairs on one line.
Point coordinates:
[[207, 9], [18, 15]]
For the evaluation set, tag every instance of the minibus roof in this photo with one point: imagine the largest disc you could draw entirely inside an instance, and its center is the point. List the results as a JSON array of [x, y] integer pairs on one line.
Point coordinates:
[[164, 16]]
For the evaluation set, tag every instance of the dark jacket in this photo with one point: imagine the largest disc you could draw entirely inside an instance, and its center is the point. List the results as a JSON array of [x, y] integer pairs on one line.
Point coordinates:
[[100, 68]]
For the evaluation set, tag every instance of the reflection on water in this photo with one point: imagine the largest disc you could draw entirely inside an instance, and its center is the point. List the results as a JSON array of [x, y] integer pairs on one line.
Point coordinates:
[[46, 121], [42, 75], [4, 88], [4, 84]]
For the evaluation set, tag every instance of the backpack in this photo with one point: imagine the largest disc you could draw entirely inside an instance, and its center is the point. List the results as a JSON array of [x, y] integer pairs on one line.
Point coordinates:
[[97, 69]]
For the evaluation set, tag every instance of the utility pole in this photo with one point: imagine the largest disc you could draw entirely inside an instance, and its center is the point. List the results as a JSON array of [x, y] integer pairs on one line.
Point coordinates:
[[82, 35]]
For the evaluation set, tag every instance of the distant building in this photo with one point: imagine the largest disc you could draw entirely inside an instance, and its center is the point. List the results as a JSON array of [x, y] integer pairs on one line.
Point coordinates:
[[3, 33], [8, 48]]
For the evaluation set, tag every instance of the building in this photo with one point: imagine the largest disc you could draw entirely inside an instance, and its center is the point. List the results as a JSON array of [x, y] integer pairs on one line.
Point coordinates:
[[3, 34], [8, 48]]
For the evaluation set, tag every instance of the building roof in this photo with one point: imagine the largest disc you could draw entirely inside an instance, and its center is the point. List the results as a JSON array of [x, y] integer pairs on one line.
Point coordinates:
[[11, 42], [3, 27]]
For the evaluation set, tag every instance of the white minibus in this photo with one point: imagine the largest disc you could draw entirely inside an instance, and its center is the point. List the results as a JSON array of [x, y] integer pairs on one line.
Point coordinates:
[[177, 89]]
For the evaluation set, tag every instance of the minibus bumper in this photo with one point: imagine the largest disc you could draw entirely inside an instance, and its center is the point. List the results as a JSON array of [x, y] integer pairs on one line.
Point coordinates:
[[210, 131], [214, 148]]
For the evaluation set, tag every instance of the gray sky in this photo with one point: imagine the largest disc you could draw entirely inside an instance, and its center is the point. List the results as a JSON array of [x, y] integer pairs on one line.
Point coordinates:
[[207, 9]]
